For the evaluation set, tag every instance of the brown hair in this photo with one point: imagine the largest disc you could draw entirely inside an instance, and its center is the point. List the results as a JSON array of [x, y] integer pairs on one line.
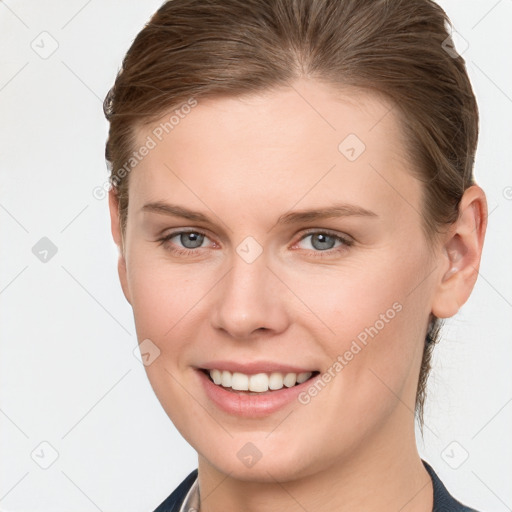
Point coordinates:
[[398, 48]]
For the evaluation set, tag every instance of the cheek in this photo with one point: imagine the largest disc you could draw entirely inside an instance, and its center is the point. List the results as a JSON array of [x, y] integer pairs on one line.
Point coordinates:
[[369, 317], [164, 296], [166, 300], [373, 294]]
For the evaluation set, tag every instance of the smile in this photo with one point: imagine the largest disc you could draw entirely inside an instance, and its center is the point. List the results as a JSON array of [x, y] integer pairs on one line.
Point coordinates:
[[253, 389], [259, 382]]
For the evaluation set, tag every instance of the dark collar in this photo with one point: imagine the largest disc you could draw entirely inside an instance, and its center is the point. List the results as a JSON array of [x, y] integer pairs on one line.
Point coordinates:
[[443, 500], [173, 502]]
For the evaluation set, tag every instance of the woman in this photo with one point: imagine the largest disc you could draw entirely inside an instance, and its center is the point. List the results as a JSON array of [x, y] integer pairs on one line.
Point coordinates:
[[295, 208]]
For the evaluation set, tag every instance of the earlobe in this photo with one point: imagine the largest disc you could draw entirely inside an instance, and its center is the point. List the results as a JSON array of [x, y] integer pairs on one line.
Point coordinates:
[[461, 253], [115, 226]]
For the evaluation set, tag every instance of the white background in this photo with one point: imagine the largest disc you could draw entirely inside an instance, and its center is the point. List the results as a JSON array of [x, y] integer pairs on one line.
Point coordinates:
[[68, 376]]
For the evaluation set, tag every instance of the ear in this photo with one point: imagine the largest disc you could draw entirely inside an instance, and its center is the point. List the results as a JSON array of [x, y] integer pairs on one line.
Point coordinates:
[[115, 226], [461, 253]]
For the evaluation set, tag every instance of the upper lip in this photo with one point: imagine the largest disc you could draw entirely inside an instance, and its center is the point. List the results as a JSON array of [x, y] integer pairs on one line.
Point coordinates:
[[253, 367]]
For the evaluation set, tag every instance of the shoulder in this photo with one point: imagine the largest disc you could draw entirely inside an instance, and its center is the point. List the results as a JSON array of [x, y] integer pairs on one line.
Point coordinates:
[[173, 502], [443, 500]]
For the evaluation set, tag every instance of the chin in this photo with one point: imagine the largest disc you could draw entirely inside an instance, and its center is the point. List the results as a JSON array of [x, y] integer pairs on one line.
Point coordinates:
[[264, 462]]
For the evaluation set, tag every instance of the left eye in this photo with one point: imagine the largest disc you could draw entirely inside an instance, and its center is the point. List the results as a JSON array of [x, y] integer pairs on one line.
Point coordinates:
[[323, 241]]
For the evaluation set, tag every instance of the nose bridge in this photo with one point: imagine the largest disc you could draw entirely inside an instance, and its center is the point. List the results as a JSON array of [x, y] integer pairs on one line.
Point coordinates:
[[248, 299]]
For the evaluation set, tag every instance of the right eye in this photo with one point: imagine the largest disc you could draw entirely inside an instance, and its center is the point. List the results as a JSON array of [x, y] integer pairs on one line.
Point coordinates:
[[183, 242]]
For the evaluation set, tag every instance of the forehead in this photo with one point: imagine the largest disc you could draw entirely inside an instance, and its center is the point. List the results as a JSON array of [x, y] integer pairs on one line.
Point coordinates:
[[307, 142]]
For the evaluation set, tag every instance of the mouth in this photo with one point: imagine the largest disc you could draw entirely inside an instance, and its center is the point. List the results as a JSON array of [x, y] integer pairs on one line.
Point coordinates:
[[258, 383]]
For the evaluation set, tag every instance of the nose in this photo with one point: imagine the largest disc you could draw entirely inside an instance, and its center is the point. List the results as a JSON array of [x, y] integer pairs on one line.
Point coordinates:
[[250, 301]]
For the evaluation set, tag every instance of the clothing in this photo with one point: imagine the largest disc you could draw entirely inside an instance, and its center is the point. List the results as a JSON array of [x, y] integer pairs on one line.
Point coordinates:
[[185, 498]]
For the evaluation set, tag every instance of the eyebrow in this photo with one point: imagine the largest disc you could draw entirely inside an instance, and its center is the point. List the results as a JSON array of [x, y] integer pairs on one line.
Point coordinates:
[[294, 217]]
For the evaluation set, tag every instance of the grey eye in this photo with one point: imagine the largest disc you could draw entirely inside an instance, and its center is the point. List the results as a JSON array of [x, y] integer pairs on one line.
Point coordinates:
[[191, 240], [321, 241]]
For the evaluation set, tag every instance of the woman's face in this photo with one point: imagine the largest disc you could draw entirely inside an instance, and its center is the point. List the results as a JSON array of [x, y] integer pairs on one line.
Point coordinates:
[[304, 253]]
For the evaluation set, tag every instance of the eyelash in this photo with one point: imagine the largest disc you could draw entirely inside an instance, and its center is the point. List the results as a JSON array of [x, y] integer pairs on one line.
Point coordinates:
[[178, 251]]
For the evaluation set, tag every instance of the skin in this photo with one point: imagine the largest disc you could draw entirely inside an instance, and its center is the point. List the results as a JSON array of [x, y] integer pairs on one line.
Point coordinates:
[[243, 163]]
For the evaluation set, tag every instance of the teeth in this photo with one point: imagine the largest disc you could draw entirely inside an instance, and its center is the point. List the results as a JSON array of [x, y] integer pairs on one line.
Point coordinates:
[[290, 380], [275, 381], [258, 383], [303, 377], [240, 382], [216, 375], [226, 379]]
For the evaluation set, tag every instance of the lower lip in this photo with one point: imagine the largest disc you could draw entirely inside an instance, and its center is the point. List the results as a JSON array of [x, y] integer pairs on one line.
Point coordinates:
[[251, 406]]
